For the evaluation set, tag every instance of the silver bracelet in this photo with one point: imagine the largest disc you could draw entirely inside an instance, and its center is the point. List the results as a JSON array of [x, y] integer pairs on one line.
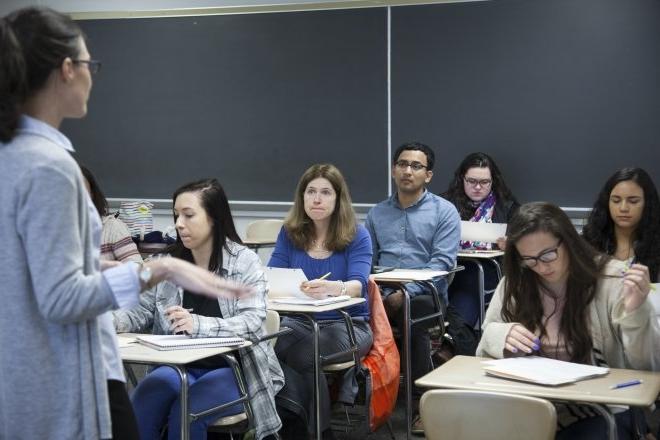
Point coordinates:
[[343, 288]]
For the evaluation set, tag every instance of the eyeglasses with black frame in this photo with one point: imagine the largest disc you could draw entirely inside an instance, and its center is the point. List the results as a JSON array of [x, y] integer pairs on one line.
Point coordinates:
[[404, 164], [94, 66], [547, 256], [484, 183]]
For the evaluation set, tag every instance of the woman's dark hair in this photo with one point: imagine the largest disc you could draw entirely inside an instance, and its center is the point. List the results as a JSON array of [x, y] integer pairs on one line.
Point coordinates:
[[523, 287], [99, 200], [456, 192], [599, 230], [416, 146], [33, 42], [214, 201]]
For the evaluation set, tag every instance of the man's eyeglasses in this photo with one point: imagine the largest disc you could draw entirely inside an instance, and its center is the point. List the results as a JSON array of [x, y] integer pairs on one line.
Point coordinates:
[[94, 66], [404, 164], [547, 256], [484, 183]]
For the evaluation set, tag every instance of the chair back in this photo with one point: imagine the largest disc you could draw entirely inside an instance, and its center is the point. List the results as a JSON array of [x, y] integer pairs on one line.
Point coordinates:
[[272, 324], [265, 230], [466, 415]]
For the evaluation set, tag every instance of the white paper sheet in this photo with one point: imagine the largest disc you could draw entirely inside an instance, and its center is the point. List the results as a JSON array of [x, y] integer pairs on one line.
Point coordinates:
[[480, 231], [285, 282], [542, 371]]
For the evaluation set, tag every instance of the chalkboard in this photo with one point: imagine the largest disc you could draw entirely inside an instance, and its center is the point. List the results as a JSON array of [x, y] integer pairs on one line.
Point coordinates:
[[251, 99], [561, 93]]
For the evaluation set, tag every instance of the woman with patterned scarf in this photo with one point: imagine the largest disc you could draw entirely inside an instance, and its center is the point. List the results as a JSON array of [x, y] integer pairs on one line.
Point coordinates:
[[480, 195]]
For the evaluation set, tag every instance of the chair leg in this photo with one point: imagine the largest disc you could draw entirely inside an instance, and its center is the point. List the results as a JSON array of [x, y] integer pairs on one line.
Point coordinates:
[[389, 428]]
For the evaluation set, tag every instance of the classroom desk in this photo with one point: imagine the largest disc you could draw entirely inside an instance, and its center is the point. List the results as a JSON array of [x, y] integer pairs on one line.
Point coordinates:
[[478, 258], [465, 373], [178, 359], [399, 278], [308, 313]]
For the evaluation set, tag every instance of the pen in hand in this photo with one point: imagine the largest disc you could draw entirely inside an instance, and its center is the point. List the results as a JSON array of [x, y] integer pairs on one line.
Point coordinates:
[[321, 278], [629, 383]]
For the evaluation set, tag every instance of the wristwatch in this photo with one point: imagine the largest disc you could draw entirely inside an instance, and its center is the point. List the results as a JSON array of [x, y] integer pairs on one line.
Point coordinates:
[[145, 276]]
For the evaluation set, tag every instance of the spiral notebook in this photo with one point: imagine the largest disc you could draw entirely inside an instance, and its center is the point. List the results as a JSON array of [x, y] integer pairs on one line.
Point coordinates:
[[180, 342]]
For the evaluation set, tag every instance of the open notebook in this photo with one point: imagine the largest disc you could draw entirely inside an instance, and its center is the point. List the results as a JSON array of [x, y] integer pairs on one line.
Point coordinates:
[[542, 371], [179, 342]]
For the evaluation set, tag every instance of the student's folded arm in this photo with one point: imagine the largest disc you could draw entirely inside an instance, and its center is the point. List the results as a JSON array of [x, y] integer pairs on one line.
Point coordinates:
[[251, 309], [640, 334], [50, 226], [139, 318]]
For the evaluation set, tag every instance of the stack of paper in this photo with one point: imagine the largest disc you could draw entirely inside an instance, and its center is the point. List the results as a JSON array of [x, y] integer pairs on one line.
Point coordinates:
[[179, 342], [312, 301], [542, 371], [482, 231]]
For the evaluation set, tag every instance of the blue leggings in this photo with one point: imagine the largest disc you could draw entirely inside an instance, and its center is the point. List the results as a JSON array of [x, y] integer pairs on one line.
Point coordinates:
[[156, 400]]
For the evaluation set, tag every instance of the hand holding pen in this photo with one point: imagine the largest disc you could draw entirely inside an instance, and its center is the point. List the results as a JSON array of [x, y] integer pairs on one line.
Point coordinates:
[[636, 286], [521, 341], [317, 288], [181, 321]]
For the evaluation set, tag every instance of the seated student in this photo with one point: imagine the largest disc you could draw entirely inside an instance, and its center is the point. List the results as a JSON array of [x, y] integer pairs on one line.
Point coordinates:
[[414, 229], [624, 221], [320, 235], [116, 241], [206, 237], [563, 300], [480, 195]]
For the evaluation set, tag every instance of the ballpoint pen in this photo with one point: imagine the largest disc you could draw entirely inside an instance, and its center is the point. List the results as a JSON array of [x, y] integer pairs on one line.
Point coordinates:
[[626, 384]]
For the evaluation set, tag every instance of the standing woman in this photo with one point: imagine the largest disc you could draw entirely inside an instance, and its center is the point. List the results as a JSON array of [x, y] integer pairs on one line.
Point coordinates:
[[320, 236], [60, 372], [561, 299], [625, 220], [480, 194], [206, 236]]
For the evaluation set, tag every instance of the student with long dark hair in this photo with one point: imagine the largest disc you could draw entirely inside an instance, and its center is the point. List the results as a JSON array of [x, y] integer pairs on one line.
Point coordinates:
[[561, 299], [625, 220], [206, 237], [480, 194], [60, 369]]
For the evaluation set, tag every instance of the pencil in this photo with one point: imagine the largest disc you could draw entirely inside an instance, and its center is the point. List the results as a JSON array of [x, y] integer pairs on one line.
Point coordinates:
[[325, 276]]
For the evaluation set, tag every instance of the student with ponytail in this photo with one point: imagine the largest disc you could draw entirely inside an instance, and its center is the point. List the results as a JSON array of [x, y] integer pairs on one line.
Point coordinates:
[[60, 369]]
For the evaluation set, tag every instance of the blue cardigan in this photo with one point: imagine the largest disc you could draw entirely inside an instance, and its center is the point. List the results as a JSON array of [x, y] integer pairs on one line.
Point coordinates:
[[352, 263]]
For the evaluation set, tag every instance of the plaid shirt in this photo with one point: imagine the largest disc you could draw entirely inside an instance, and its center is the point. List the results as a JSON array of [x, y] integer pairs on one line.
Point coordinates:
[[243, 318]]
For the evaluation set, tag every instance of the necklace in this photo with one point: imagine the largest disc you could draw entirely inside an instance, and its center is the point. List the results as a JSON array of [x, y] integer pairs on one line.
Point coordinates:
[[316, 246]]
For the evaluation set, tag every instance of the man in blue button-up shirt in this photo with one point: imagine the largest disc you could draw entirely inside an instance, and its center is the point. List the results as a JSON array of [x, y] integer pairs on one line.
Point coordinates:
[[414, 229]]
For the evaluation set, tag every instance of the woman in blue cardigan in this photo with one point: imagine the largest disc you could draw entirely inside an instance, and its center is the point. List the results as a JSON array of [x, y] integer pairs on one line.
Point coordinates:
[[320, 235]]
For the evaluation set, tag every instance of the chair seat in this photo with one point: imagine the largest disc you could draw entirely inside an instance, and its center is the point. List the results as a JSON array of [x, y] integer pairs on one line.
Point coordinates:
[[230, 420]]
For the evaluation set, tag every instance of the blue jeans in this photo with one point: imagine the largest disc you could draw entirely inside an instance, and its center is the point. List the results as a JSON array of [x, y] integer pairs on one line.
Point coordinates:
[[156, 400]]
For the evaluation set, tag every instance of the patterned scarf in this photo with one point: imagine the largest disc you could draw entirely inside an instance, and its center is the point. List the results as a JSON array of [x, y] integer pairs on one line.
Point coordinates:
[[483, 213]]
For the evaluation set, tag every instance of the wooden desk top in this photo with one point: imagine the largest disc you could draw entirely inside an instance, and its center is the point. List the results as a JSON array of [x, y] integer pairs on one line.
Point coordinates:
[[465, 372], [140, 353], [293, 308], [480, 254]]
